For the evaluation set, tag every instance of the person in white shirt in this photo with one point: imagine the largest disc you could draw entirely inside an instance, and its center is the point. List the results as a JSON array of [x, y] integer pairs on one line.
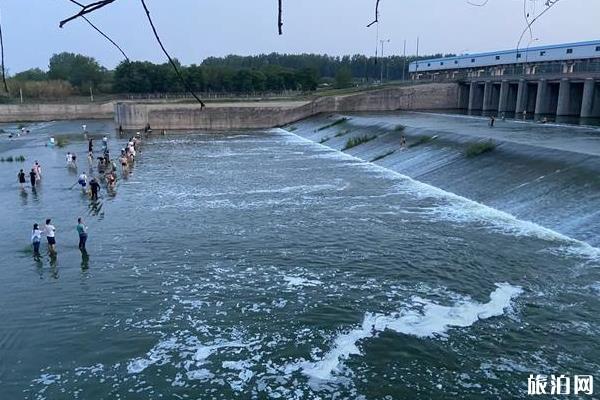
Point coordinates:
[[83, 181], [49, 231], [36, 238]]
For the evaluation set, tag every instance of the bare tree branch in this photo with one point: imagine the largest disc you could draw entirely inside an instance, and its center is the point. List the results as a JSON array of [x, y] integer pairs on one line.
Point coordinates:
[[2, 52], [86, 9], [106, 36], [376, 14], [280, 18], [181, 78], [99, 31]]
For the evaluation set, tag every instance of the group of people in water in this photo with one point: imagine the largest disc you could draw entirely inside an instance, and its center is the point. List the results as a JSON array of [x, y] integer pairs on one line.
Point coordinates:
[[49, 230], [106, 170], [35, 176]]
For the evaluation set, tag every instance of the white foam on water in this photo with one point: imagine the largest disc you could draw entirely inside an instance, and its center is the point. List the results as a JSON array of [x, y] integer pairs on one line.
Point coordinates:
[[461, 209], [293, 281], [159, 354], [200, 375], [47, 379], [423, 319]]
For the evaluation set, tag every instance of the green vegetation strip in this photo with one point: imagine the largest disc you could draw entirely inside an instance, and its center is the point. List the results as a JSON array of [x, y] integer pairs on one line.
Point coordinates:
[[421, 140], [382, 156], [61, 141], [353, 142], [11, 159], [476, 149], [334, 123]]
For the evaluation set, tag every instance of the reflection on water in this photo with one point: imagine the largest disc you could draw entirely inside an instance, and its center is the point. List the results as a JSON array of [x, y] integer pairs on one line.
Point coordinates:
[[264, 265]]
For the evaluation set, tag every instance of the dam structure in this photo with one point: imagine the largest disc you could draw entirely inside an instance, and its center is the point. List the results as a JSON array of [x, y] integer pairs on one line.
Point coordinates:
[[561, 80]]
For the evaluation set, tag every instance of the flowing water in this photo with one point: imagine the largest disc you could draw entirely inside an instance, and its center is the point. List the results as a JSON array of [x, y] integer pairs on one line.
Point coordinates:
[[266, 265]]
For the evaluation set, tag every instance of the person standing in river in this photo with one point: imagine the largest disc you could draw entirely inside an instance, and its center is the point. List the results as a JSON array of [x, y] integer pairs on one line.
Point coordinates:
[[91, 145], [32, 178], [36, 238], [94, 186], [82, 231], [38, 170], [21, 179], [50, 231]]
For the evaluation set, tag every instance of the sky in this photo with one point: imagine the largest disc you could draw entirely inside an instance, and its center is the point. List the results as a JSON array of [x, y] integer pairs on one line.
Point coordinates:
[[195, 29]]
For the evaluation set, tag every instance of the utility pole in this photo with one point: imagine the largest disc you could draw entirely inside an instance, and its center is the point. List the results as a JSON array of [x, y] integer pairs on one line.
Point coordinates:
[[382, 42], [404, 61], [91, 95], [21, 94], [417, 65]]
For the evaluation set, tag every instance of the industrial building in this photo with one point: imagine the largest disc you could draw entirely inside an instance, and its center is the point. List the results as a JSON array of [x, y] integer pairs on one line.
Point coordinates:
[[559, 79]]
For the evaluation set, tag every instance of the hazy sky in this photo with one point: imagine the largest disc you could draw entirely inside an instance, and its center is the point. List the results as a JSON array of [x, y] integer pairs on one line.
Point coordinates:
[[195, 29]]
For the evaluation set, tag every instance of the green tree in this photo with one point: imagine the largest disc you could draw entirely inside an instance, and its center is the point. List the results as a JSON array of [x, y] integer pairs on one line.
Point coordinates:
[[343, 78], [33, 74], [307, 79], [77, 69]]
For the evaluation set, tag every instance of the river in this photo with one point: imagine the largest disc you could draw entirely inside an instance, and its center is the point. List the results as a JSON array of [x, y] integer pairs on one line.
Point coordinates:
[[267, 265]]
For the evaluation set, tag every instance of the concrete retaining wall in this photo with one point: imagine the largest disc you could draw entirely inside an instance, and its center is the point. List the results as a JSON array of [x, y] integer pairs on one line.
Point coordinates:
[[50, 112], [131, 115]]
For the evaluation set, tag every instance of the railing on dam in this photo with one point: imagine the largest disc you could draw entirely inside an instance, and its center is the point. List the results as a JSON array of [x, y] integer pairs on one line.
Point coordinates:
[[522, 71]]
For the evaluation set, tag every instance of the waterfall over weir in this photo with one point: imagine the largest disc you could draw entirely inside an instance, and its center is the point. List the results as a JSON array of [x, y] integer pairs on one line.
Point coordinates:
[[543, 173]]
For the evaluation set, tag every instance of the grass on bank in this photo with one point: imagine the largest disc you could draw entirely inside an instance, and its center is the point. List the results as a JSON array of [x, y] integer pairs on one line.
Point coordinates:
[[422, 140], [353, 142], [383, 156], [476, 149], [342, 133], [61, 141], [334, 123]]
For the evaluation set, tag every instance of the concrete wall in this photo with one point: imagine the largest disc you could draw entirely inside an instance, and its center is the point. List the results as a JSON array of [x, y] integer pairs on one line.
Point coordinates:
[[131, 115], [49, 112]]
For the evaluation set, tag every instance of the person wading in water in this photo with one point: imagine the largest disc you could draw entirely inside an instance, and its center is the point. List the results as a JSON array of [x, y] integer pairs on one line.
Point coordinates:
[[36, 238], [50, 231], [21, 179], [94, 186], [82, 231], [32, 178]]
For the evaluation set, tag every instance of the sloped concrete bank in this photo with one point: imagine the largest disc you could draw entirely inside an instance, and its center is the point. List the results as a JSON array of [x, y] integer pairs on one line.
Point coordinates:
[[260, 115]]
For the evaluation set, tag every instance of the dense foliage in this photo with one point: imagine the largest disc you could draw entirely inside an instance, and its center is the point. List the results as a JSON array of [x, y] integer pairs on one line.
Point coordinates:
[[70, 73]]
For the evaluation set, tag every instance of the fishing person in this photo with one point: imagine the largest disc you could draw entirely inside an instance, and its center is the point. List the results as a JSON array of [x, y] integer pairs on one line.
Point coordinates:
[[50, 232], [36, 238], [82, 232], [91, 145], [21, 179]]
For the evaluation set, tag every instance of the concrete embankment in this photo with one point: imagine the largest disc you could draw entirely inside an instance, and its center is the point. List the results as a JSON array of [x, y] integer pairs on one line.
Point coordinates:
[[238, 115], [259, 115], [51, 112]]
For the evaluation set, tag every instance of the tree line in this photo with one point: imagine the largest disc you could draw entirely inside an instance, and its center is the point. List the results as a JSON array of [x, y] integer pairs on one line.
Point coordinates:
[[75, 74]]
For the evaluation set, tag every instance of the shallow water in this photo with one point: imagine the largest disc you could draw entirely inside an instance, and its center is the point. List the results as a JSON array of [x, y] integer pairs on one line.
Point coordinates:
[[263, 265]]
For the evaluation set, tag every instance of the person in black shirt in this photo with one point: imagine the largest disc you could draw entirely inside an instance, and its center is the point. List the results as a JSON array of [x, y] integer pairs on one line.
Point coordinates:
[[94, 186], [32, 178], [21, 178]]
